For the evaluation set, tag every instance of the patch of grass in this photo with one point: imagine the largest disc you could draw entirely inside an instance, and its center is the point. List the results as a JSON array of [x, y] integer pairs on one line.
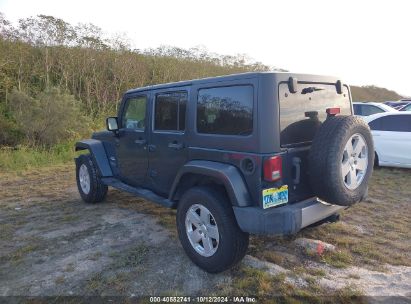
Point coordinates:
[[254, 282], [6, 231], [354, 276], [101, 283], [316, 272], [349, 294], [130, 259], [39, 186], [273, 257], [377, 230], [165, 217], [168, 221], [285, 288], [95, 256], [69, 267], [69, 218], [118, 282], [368, 252], [338, 258], [25, 158], [60, 280], [18, 254], [95, 283]]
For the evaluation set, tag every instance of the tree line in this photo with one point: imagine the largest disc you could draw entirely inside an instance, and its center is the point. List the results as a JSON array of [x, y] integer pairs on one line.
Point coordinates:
[[82, 67], [54, 74]]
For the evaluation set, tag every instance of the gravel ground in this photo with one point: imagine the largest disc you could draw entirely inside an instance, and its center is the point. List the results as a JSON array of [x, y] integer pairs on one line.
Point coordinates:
[[54, 244]]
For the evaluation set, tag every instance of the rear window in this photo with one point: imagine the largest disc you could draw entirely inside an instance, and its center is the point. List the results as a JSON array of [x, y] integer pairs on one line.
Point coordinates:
[[225, 110], [302, 113]]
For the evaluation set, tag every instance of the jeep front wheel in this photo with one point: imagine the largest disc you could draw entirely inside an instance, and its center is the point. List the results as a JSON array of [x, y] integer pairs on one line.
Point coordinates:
[[89, 184], [208, 230]]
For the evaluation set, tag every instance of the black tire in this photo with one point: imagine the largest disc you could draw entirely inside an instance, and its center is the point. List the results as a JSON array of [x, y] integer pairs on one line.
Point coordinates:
[[233, 242], [98, 190], [326, 156], [376, 160]]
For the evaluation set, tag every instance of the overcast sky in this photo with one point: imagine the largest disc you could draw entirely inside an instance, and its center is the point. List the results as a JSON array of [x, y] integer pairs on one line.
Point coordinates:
[[362, 41]]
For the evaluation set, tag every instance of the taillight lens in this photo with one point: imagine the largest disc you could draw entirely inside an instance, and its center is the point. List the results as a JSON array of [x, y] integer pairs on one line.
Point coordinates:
[[273, 168], [333, 111]]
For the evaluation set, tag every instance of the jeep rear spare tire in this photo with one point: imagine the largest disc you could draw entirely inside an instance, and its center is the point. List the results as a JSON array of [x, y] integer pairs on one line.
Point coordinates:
[[341, 160]]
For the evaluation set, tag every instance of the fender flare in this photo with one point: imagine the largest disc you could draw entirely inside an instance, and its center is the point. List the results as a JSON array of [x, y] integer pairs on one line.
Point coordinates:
[[229, 175], [98, 154]]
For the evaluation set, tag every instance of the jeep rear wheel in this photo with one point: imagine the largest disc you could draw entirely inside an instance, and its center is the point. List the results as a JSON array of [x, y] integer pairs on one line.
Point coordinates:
[[89, 184], [341, 160], [208, 230]]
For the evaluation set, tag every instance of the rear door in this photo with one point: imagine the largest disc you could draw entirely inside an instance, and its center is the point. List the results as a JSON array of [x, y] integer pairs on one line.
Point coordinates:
[[392, 139], [167, 143], [301, 115]]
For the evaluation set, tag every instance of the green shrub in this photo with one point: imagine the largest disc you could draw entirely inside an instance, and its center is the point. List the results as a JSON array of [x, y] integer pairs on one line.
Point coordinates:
[[10, 134], [51, 118]]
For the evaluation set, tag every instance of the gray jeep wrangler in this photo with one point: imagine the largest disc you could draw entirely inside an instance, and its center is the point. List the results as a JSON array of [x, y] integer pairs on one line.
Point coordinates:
[[260, 153]]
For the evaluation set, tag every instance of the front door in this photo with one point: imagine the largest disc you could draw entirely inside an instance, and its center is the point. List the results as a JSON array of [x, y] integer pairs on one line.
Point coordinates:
[[167, 145], [131, 143]]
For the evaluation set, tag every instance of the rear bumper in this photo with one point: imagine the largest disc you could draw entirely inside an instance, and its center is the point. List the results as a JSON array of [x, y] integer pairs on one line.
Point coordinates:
[[285, 220]]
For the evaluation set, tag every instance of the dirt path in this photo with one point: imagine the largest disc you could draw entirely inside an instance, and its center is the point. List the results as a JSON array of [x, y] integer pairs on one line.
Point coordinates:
[[69, 248], [54, 244]]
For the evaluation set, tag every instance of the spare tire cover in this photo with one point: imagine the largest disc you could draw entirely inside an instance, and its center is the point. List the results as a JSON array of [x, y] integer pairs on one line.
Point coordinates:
[[341, 160]]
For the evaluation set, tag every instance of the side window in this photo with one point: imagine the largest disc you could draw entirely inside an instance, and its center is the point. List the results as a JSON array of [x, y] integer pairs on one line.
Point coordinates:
[[398, 123], [357, 109], [375, 124], [169, 111], [135, 113], [225, 110], [369, 110]]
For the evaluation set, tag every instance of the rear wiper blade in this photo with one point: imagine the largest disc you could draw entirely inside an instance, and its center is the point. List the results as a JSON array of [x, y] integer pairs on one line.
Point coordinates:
[[310, 90]]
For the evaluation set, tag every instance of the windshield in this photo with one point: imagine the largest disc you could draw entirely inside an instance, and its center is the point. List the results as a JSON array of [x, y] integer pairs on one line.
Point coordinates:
[[302, 113]]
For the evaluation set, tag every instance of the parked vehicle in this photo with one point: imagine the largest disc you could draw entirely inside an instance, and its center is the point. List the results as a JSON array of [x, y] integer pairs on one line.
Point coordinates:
[[407, 107], [253, 153], [370, 108], [397, 104], [392, 138]]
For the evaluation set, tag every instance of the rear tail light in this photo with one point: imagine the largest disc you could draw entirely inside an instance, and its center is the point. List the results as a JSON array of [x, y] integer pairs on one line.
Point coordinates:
[[333, 111], [273, 168]]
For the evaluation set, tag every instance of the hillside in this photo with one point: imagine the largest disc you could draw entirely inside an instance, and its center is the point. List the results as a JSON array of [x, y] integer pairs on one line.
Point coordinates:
[[50, 68], [373, 93]]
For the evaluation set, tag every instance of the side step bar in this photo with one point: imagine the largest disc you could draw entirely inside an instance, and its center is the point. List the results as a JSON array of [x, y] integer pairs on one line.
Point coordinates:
[[139, 192]]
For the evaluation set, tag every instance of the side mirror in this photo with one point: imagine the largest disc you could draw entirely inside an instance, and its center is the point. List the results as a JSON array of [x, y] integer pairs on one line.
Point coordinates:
[[112, 124]]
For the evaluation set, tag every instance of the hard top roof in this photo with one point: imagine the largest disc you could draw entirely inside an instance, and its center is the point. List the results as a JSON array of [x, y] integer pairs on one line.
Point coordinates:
[[283, 75]]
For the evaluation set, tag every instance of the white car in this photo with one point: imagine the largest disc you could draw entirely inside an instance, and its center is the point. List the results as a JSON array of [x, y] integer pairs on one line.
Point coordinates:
[[370, 108], [391, 132]]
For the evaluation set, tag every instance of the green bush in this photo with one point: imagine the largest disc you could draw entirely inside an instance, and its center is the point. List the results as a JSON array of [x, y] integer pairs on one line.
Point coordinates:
[[10, 134], [51, 118]]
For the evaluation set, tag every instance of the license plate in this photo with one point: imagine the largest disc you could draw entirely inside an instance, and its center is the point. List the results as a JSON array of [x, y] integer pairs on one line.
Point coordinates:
[[275, 196]]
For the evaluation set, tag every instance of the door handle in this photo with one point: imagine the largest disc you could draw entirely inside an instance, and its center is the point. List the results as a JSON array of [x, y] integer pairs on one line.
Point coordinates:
[[176, 145], [151, 148], [140, 141]]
